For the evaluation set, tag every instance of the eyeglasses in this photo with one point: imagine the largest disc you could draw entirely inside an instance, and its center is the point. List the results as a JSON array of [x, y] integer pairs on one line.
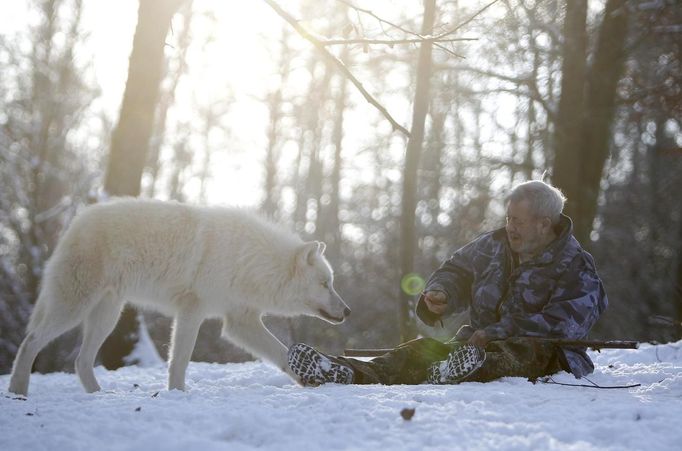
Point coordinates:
[[519, 223], [515, 222]]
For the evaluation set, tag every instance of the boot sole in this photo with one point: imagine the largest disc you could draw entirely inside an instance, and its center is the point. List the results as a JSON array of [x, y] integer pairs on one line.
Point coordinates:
[[460, 363], [315, 368]]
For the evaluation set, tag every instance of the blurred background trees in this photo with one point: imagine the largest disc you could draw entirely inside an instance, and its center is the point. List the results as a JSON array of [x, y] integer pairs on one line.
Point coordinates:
[[583, 93], [47, 160]]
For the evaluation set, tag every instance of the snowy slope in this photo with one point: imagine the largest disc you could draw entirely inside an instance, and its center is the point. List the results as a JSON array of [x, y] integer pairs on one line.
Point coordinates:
[[252, 405]]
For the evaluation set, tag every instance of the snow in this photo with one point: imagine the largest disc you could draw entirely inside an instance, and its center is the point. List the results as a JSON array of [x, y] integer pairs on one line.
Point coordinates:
[[144, 353], [252, 405]]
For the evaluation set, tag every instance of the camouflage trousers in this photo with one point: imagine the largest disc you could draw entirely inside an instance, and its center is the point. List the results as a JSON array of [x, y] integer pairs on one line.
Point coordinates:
[[409, 362]]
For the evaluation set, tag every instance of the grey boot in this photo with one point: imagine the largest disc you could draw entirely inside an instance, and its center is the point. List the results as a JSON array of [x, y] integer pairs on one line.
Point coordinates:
[[315, 368], [460, 363]]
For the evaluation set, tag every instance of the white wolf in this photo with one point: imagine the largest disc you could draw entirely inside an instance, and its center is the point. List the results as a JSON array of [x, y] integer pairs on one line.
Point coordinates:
[[184, 261]]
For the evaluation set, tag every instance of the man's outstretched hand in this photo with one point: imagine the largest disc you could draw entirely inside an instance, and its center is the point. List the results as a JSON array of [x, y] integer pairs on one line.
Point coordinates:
[[436, 302], [479, 338]]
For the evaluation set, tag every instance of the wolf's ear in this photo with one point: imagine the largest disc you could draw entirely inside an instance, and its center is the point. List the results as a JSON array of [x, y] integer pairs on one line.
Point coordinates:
[[322, 247], [307, 253]]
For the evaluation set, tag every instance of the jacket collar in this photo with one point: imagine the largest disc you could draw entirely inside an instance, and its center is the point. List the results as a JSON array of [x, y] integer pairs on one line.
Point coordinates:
[[563, 248]]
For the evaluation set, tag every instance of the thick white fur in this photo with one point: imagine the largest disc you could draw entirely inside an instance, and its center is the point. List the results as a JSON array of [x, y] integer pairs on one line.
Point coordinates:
[[184, 261]]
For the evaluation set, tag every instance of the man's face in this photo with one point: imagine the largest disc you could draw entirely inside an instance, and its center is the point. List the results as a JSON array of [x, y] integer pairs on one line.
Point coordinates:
[[526, 231]]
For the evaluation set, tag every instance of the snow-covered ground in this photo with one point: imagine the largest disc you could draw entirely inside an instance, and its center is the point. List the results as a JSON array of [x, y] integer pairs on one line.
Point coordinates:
[[252, 405]]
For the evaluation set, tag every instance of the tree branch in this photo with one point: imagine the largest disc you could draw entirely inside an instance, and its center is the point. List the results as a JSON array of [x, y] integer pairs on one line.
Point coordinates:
[[397, 27], [528, 81], [336, 62], [392, 42], [478, 13], [435, 39]]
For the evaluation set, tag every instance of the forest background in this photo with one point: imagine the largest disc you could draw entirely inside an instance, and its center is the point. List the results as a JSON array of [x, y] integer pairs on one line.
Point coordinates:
[[390, 130]]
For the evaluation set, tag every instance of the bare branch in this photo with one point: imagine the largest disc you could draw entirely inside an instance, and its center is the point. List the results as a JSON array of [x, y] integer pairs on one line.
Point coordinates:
[[397, 27], [435, 39], [336, 62], [392, 42], [528, 81], [466, 22]]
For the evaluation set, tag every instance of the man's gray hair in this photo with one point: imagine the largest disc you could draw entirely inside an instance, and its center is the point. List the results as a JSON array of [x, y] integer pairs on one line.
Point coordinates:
[[544, 199]]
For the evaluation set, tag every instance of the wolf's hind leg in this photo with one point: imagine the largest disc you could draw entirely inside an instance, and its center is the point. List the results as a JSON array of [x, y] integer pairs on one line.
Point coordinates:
[[47, 325], [185, 330], [99, 323]]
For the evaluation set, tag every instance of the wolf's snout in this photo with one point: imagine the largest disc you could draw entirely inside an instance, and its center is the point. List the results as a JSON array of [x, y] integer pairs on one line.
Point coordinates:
[[336, 314], [330, 318], [332, 309]]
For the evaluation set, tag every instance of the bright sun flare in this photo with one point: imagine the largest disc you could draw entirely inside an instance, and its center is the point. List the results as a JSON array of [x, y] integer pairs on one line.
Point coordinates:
[[236, 66]]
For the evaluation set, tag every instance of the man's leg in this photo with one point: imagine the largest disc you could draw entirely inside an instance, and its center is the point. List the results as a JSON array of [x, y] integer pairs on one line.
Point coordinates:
[[517, 358], [425, 359], [409, 363]]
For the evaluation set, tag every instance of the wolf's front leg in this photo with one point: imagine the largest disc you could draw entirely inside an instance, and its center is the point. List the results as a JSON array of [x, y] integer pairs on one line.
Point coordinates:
[[246, 329], [185, 330]]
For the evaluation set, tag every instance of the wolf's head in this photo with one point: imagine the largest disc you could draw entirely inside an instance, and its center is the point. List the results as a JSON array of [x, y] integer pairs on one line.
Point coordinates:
[[314, 280]]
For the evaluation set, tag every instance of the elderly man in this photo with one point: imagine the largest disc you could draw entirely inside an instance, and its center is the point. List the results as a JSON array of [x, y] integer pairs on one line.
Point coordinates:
[[529, 279]]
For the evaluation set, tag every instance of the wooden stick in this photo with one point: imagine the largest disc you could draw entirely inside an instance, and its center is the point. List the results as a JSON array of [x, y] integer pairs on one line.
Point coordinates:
[[592, 344]]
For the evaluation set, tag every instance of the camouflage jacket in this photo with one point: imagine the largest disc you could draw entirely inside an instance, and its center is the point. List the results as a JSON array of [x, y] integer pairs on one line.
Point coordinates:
[[558, 294]]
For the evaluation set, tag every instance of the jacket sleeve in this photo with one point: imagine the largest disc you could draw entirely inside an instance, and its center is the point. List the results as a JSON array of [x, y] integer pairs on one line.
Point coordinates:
[[454, 278], [573, 308]]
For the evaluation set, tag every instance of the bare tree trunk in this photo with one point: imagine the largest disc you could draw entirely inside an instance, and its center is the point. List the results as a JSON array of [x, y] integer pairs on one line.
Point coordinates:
[[210, 116], [586, 110], [529, 161], [167, 98], [331, 230], [414, 147], [455, 172], [600, 108], [298, 212], [130, 139], [316, 165], [328, 225], [182, 159], [306, 117], [271, 200], [531, 125], [569, 124], [678, 276], [432, 165], [310, 146]]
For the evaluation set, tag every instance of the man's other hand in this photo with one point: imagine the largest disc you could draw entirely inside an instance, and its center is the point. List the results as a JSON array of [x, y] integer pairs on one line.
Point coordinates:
[[479, 338], [436, 301]]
